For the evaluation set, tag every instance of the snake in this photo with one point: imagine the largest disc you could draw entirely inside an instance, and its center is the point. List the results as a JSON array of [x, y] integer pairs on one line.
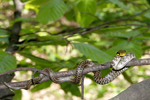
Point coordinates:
[[118, 66]]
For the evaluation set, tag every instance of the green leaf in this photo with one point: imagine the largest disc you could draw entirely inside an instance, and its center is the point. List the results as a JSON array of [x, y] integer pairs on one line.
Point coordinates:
[[4, 36], [145, 36], [7, 62], [120, 46], [129, 34], [85, 9], [20, 19], [18, 95], [41, 86], [38, 60], [51, 11], [113, 29], [118, 41], [72, 88], [70, 15], [37, 2], [92, 52], [120, 4], [131, 46], [127, 77], [50, 42], [146, 48], [134, 47], [147, 14], [83, 40], [52, 37]]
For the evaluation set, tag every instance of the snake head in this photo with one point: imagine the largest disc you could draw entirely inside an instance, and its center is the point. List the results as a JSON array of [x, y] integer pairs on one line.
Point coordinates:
[[119, 62]]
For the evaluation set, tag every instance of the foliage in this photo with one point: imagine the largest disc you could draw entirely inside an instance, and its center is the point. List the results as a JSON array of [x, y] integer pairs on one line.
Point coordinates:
[[60, 33], [8, 62]]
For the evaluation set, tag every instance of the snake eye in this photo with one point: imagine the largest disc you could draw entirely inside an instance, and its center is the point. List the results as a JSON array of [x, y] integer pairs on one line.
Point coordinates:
[[118, 53]]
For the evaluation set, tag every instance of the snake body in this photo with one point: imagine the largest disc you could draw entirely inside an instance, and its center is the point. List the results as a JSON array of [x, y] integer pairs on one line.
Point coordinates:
[[118, 63]]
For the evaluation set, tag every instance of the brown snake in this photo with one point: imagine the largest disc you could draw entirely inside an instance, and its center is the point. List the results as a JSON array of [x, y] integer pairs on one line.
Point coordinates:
[[118, 63]]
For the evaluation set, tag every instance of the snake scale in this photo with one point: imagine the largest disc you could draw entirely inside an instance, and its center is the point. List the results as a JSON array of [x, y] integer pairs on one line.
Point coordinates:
[[118, 63]]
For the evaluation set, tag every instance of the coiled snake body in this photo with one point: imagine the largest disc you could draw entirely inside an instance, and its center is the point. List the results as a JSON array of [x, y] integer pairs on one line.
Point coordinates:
[[118, 63]]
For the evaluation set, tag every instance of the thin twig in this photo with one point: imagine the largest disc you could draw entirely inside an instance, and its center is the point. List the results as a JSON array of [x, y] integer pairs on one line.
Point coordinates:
[[142, 33], [82, 87], [128, 25], [94, 16], [138, 13]]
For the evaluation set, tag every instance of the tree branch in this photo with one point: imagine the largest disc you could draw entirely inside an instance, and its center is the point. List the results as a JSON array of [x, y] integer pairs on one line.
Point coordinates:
[[82, 31], [134, 62]]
